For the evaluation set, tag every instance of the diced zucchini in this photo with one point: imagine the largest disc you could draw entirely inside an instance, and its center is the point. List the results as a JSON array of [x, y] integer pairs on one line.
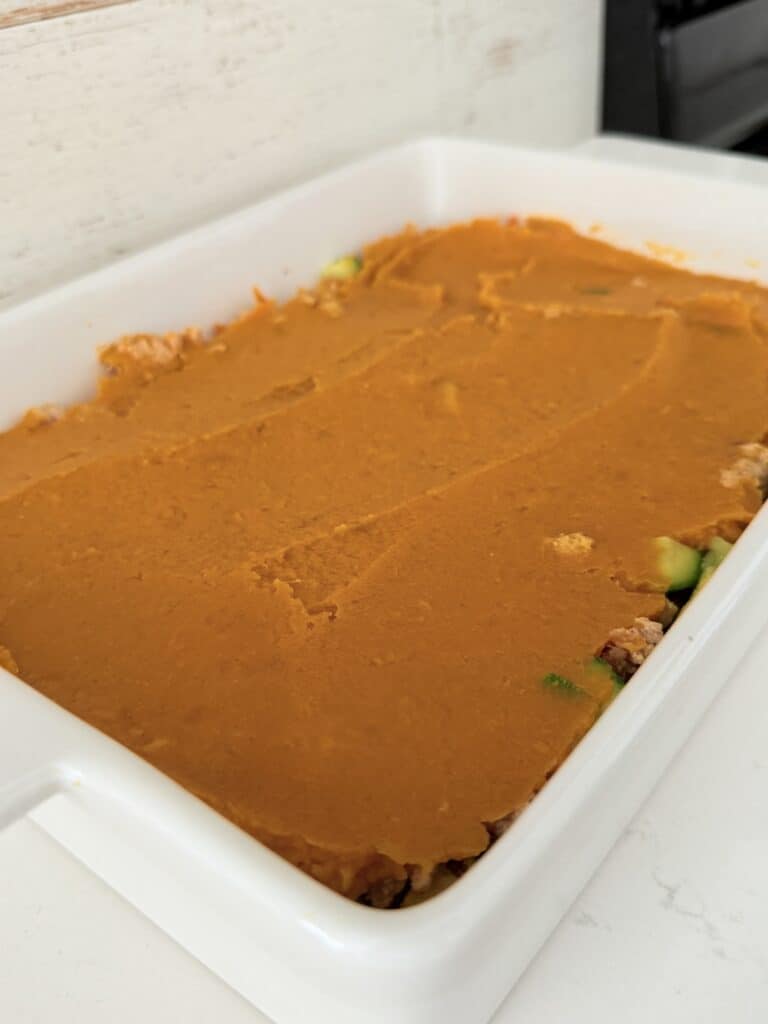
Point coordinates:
[[598, 665], [713, 556], [715, 553], [555, 682], [606, 674], [342, 269], [678, 565]]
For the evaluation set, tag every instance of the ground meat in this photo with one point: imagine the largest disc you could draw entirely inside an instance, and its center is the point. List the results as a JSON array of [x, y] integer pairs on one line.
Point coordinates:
[[496, 829], [440, 879], [668, 613], [627, 648], [752, 467], [571, 543], [421, 877], [158, 349], [385, 893]]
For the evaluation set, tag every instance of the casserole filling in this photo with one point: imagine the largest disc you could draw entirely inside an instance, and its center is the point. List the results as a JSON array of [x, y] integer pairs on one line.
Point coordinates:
[[359, 570]]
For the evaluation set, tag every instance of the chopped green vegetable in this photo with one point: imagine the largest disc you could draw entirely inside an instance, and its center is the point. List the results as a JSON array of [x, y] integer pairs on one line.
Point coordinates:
[[716, 552], [602, 667], [343, 269], [598, 665], [555, 682], [678, 565], [713, 557]]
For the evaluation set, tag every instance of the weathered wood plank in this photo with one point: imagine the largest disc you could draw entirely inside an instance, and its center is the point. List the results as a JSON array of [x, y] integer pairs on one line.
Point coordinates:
[[13, 12], [127, 124]]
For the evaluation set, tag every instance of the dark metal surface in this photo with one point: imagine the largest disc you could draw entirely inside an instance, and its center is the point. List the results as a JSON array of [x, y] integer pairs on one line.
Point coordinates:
[[691, 70]]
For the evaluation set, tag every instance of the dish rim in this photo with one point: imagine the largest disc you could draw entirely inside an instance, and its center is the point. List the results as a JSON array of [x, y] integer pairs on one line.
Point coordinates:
[[336, 919]]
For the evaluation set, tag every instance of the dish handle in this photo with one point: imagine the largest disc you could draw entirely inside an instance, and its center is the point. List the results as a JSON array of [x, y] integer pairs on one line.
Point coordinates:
[[32, 762]]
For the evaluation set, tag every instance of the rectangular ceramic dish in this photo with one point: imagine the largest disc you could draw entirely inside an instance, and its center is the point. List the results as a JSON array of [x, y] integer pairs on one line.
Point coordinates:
[[292, 947]]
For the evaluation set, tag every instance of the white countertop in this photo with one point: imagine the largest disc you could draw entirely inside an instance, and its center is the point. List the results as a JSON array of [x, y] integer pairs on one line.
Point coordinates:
[[674, 926]]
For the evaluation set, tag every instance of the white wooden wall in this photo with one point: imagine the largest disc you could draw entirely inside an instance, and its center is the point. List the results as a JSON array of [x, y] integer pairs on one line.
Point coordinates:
[[124, 124]]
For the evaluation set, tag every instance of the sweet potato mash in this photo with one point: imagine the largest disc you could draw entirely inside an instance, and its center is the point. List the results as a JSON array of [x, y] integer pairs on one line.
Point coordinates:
[[360, 569]]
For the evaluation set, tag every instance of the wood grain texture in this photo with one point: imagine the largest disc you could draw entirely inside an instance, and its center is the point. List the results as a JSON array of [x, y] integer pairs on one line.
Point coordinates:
[[12, 12], [127, 124]]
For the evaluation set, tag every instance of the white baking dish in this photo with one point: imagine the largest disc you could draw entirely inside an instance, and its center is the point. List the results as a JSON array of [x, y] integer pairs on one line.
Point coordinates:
[[295, 949]]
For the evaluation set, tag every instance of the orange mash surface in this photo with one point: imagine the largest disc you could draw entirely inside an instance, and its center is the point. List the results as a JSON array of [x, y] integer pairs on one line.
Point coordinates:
[[314, 569]]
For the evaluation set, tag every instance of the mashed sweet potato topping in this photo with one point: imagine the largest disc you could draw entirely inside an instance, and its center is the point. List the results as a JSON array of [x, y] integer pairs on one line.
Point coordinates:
[[343, 569]]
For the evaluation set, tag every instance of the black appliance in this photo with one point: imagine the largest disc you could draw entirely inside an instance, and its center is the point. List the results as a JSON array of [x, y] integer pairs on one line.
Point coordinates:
[[691, 70]]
